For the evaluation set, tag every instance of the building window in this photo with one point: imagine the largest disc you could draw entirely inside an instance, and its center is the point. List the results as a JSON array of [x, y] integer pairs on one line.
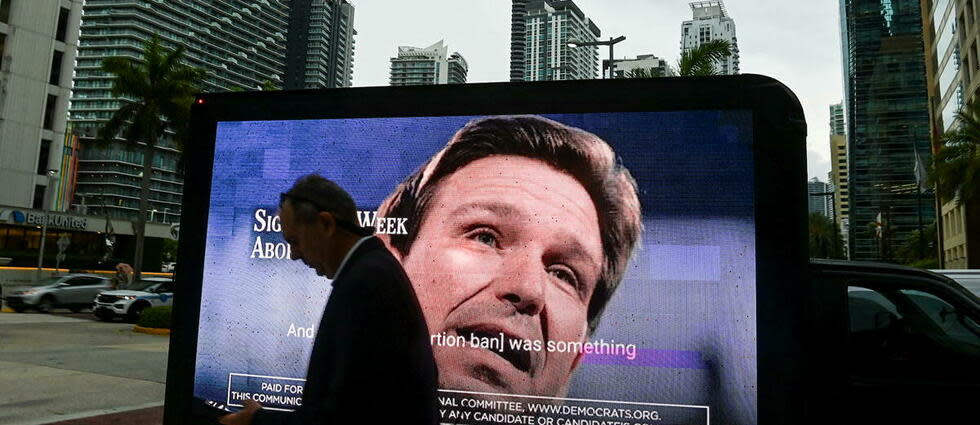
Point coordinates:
[[49, 111], [38, 197], [42, 158], [5, 10], [62, 24], [56, 68]]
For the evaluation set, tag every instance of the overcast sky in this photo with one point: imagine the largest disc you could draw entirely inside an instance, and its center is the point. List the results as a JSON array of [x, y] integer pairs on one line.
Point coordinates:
[[795, 41]]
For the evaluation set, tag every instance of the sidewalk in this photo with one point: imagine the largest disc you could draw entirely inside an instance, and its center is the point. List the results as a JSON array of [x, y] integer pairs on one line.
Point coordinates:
[[145, 416]]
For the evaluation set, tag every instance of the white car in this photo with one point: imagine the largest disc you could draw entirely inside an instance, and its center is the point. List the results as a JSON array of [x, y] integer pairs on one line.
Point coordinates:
[[130, 303]]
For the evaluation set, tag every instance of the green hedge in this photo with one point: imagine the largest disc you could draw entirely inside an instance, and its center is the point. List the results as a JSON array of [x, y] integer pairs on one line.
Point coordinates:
[[156, 317]]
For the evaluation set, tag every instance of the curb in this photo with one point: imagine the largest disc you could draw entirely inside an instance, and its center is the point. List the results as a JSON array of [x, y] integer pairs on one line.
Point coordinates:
[[151, 331], [7, 310]]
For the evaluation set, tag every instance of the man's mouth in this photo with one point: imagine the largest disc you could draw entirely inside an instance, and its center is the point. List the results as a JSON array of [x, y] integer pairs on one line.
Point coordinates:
[[512, 351]]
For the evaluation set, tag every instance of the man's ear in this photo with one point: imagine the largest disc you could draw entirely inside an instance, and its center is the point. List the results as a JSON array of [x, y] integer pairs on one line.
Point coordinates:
[[328, 222]]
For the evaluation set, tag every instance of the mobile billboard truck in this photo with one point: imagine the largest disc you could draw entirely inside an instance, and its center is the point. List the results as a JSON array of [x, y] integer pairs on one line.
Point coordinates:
[[663, 214]]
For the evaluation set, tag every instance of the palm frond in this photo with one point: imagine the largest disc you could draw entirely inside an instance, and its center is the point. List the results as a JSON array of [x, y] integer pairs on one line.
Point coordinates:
[[700, 61], [129, 78], [955, 169], [123, 115]]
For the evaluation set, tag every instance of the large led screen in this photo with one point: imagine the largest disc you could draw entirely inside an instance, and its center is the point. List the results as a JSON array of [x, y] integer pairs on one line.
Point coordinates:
[[642, 225]]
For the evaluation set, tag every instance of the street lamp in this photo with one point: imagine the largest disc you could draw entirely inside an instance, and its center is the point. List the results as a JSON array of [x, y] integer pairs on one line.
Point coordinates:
[[45, 206], [152, 213], [611, 42], [165, 215]]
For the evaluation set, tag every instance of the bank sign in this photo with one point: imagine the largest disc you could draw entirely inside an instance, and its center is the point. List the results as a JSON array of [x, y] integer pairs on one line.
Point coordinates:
[[37, 218]]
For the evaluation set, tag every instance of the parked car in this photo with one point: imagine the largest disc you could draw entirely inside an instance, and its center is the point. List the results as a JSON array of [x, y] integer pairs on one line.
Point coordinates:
[[911, 342], [970, 279], [73, 291], [130, 303]]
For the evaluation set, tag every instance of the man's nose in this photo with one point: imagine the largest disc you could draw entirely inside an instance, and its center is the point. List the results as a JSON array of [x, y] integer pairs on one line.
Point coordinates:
[[522, 284]]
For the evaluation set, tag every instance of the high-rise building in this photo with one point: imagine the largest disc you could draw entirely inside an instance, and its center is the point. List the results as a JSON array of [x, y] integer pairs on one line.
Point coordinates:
[[649, 65], [710, 21], [953, 82], [427, 65], [320, 44], [458, 69], [819, 197], [837, 121], [240, 43], [887, 118], [837, 178], [38, 43], [547, 27], [518, 17]]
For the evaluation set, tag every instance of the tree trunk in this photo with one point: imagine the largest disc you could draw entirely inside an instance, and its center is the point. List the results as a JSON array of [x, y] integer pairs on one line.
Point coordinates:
[[149, 151]]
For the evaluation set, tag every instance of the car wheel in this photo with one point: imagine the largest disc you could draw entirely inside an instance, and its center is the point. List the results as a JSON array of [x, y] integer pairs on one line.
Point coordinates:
[[46, 304], [135, 312]]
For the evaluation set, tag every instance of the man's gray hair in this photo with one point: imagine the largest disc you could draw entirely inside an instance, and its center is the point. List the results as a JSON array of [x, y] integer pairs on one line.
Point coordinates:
[[313, 193]]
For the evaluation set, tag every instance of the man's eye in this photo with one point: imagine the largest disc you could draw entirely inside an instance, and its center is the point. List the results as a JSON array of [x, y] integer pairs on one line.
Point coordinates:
[[485, 236], [563, 273]]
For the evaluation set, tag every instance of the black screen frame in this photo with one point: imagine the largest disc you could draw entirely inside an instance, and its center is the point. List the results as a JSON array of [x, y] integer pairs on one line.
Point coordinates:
[[779, 133]]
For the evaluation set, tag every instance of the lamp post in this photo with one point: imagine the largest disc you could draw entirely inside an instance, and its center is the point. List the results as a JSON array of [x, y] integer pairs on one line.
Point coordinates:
[[611, 42], [152, 214], [165, 215], [45, 206]]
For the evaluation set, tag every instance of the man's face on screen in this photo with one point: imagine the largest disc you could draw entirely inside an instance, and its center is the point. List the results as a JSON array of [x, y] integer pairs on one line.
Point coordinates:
[[508, 246]]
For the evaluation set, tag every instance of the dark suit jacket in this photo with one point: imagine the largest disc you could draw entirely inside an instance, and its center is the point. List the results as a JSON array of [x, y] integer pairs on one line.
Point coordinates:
[[371, 360]]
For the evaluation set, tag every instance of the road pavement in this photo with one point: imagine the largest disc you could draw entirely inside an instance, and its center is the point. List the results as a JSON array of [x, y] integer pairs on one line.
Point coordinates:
[[56, 367]]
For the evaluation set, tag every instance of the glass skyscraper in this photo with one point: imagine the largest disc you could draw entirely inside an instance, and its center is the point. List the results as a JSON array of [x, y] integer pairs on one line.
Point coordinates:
[[887, 124], [240, 43], [320, 44]]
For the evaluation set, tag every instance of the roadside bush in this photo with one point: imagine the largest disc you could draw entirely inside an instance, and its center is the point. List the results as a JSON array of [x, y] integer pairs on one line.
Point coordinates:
[[156, 317]]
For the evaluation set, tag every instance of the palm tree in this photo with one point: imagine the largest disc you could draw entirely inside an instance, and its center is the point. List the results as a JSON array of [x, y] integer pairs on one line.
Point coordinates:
[[157, 92], [955, 168], [700, 61], [825, 238]]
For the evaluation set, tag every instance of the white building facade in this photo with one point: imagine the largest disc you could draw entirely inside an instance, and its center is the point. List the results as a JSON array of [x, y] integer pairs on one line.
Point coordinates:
[[416, 66], [643, 65], [550, 27], [710, 21], [38, 45]]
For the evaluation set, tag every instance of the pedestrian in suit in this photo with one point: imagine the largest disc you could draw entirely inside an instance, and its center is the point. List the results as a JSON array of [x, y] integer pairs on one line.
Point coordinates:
[[371, 361]]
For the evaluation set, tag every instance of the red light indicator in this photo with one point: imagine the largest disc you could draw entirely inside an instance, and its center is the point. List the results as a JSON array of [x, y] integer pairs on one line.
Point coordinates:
[[200, 101]]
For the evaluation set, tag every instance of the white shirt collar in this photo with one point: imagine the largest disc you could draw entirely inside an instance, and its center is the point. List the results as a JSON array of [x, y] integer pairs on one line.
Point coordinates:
[[349, 253]]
